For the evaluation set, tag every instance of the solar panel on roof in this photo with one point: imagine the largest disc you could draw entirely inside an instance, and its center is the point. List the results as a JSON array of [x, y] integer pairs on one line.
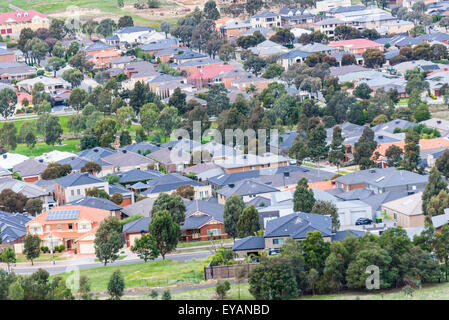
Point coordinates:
[[63, 215]]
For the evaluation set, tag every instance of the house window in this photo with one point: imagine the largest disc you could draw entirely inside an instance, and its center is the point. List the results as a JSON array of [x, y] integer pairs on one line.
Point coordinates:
[[78, 191], [213, 232], [278, 241], [59, 227], [70, 226], [72, 192], [48, 228]]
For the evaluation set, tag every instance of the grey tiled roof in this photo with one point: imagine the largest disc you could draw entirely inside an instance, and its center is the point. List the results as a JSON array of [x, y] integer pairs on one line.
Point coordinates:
[[30, 167], [297, 225], [75, 162], [141, 146], [138, 175], [393, 124], [137, 225], [12, 226], [78, 179], [29, 190], [356, 194], [123, 158], [341, 235], [245, 188], [249, 243], [376, 200], [93, 202], [96, 153], [169, 182], [142, 207]]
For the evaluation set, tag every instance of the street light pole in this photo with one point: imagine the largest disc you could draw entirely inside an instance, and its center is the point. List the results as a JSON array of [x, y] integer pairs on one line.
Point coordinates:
[[52, 249]]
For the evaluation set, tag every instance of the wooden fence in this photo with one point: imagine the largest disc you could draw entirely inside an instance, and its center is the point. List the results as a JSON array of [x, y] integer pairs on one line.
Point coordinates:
[[223, 272]]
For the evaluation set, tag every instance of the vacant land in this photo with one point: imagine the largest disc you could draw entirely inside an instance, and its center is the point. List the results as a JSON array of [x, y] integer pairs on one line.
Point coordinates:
[[151, 274]]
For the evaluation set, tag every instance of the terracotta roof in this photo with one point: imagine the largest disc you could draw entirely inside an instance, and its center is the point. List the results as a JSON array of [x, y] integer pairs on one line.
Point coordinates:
[[211, 71], [85, 213], [423, 144], [355, 44], [20, 16], [322, 185]]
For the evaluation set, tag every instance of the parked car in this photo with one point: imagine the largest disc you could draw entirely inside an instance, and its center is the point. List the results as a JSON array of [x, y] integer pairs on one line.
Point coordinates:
[[363, 221]]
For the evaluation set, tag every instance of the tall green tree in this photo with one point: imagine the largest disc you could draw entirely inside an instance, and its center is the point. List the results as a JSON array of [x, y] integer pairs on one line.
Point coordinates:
[[53, 130], [336, 153], [303, 198], [441, 247], [248, 222], [327, 208], [108, 240], [31, 247], [146, 247], [364, 148], [173, 204], [435, 184], [411, 156], [234, 207], [442, 163], [8, 100], [8, 136], [116, 285], [164, 231]]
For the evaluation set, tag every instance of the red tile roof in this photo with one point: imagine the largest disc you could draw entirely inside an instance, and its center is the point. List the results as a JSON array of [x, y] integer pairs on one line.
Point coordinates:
[[20, 16], [355, 43], [210, 72]]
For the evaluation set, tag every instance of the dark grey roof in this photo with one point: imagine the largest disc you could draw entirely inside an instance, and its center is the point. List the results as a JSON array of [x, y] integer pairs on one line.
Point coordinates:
[[211, 208], [280, 180], [249, 243], [259, 202], [124, 158], [97, 46], [295, 54], [168, 182], [437, 36], [189, 55], [356, 194], [195, 222], [393, 124], [376, 200], [159, 45], [134, 29], [383, 178], [341, 235], [142, 207], [93, 202], [78, 179], [138, 175], [265, 14], [141, 146], [113, 188], [245, 188], [297, 225], [12, 226], [138, 225], [96, 153], [75, 162]]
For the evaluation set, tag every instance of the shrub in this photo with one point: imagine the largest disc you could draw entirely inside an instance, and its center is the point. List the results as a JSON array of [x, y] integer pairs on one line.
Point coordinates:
[[56, 248], [335, 176], [61, 247]]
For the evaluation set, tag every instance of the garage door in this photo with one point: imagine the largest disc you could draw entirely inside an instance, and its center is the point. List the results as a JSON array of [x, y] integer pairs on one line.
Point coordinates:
[[87, 248], [357, 214]]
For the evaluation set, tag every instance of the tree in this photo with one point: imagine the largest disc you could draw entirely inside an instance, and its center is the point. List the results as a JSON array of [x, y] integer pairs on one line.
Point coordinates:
[[283, 37], [166, 295], [31, 247], [25, 35], [373, 58], [434, 185], [362, 91], [441, 246], [105, 130], [178, 100], [252, 6], [11, 201], [186, 191], [226, 52], [146, 247], [88, 142], [336, 153], [77, 98], [106, 27], [273, 279], [8, 256], [34, 206], [444, 22], [437, 205], [8, 100], [315, 251], [172, 203], [73, 76], [217, 99], [273, 71], [91, 167], [254, 64], [222, 287], [53, 130], [411, 156], [116, 285], [233, 208], [248, 222], [108, 241], [125, 21], [439, 51], [394, 156], [328, 209], [348, 59], [58, 29], [164, 231], [168, 120], [303, 198], [165, 28], [97, 193], [343, 32], [15, 291], [55, 171], [422, 113], [8, 136], [364, 148], [117, 198], [442, 163], [211, 11]]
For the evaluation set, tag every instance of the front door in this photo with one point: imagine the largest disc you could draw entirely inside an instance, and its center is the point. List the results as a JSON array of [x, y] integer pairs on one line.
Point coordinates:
[[69, 244]]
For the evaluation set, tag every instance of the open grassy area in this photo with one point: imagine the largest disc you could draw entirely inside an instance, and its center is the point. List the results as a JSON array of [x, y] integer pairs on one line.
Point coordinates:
[[199, 243], [150, 274], [43, 257], [69, 145], [18, 123]]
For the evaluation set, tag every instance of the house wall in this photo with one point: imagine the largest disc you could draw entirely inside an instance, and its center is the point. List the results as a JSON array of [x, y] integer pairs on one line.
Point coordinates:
[[256, 167], [64, 195], [14, 28], [404, 220], [8, 57]]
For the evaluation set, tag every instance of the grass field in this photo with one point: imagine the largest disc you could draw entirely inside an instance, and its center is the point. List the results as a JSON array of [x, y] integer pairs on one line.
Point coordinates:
[[150, 274], [199, 243], [18, 123], [69, 145]]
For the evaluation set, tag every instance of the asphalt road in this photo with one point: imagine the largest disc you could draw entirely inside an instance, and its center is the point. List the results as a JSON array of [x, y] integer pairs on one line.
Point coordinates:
[[61, 269]]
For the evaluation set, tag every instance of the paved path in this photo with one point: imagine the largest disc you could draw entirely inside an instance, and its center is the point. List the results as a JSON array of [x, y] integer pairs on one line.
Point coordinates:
[[67, 265]]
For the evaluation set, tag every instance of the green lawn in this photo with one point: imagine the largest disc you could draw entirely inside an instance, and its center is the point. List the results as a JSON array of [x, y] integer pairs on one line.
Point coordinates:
[[18, 123], [150, 274], [202, 294], [69, 145], [42, 257], [199, 243]]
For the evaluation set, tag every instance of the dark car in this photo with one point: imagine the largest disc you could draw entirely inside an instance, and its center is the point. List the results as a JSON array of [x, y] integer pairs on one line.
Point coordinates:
[[363, 221]]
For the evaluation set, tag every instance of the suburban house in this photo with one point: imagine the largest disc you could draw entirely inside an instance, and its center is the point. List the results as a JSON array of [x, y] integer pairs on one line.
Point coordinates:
[[131, 34], [12, 227], [128, 196], [130, 177], [29, 190], [382, 180], [192, 66], [30, 170], [248, 162], [203, 221], [12, 23], [141, 147], [356, 46], [247, 189], [406, 212], [101, 54], [265, 19], [73, 226], [7, 56], [73, 186], [10, 71], [122, 160], [292, 57], [204, 171], [208, 76], [439, 124], [172, 160], [171, 181], [327, 5], [51, 85], [133, 230], [99, 203], [157, 46], [296, 226], [268, 48], [234, 28]]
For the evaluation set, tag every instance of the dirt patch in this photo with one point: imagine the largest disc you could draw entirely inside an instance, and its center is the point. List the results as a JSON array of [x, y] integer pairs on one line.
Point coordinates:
[[85, 14]]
